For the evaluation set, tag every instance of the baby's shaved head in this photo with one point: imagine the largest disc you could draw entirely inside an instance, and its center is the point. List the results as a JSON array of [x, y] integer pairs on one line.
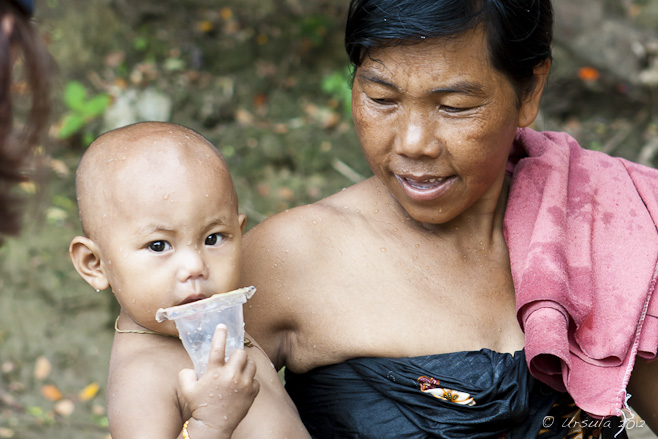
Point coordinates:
[[137, 158]]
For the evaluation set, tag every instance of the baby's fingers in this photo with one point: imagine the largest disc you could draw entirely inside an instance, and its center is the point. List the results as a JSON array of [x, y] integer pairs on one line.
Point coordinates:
[[218, 346], [250, 370], [250, 376], [243, 371]]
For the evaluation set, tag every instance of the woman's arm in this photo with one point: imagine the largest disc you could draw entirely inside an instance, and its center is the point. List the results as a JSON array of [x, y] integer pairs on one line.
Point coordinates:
[[277, 259]]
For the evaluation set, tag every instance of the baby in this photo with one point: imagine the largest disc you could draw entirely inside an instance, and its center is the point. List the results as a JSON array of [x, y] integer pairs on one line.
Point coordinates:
[[161, 228]]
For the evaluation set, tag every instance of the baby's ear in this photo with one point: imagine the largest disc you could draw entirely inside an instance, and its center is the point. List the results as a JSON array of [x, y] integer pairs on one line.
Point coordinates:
[[242, 219], [86, 259]]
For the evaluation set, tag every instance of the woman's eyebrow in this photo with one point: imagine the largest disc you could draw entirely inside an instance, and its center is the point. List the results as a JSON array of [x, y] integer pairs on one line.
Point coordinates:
[[461, 87], [377, 80]]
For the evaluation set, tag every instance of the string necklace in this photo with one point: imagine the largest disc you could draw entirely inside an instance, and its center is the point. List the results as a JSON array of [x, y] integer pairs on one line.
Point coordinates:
[[137, 331], [247, 343]]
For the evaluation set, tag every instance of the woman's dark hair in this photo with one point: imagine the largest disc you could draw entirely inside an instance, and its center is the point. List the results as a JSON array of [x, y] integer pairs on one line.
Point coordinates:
[[519, 32], [17, 145]]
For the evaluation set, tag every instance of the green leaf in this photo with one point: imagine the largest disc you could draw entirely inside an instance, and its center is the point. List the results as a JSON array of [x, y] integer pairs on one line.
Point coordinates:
[[103, 422], [75, 95], [140, 44], [174, 64], [96, 105], [71, 124], [87, 138], [35, 411], [64, 202], [337, 85]]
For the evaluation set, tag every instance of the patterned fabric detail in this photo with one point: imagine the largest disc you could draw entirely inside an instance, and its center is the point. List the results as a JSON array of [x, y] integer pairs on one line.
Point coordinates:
[[432, 387]]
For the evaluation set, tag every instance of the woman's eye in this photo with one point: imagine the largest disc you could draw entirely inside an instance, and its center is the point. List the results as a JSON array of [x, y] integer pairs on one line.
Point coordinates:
[[449, 109], [381, 101], [214, 239], [159, 246]]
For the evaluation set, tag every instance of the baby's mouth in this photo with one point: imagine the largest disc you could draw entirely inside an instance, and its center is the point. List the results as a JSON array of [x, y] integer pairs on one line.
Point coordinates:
[[193, 298]]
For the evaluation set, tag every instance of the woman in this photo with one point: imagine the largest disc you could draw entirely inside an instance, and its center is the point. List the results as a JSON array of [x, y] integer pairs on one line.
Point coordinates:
[[18, 38], [393, 303]]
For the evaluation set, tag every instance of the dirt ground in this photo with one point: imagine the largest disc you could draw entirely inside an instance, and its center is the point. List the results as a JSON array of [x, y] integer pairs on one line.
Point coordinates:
[[265, 81]]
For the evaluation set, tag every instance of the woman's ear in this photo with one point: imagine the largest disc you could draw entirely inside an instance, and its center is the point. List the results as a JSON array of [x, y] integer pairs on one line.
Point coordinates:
[[86, 259], [530, 105]]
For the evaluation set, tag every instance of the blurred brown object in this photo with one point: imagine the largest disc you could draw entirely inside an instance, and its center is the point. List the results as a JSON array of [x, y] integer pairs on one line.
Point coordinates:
[[20, 46]]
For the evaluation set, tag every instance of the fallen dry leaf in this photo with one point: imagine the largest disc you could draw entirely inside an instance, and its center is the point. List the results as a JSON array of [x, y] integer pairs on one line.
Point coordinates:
[[281, 128], [8, 367], [42, 368], [263, 190], [28, 186], [51, 392], [114, 59], [60, 168], [88, 392], [260, 99], [226, 13], [285, 193], [243, 117], [205, 26], [65, 408], [588, 74]]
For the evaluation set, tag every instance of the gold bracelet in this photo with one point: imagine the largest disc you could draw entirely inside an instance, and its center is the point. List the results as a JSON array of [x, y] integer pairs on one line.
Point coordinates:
[[186, 435]]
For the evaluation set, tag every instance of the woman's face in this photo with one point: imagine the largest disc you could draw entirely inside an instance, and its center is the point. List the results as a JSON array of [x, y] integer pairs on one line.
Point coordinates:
[[436, 122]]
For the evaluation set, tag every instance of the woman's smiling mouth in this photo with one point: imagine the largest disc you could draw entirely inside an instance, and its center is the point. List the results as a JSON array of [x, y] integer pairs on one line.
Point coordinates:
[[425, 188]]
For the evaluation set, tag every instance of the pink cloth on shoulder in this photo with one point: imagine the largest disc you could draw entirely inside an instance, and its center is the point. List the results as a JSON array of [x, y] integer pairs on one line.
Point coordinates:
[[581, 231]]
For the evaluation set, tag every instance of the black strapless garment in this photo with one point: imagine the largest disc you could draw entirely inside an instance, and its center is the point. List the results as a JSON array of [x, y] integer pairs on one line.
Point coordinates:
[[474, 395]]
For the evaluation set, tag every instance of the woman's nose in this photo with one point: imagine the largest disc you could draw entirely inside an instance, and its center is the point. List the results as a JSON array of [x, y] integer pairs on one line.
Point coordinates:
[[417, 136], [192, 265]]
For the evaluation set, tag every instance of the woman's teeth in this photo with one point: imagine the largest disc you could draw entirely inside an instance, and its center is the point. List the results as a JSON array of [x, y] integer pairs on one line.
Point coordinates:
[[424, 184]]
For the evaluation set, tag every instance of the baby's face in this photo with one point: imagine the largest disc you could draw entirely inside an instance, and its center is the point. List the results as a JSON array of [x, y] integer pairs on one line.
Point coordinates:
[[171, 234]]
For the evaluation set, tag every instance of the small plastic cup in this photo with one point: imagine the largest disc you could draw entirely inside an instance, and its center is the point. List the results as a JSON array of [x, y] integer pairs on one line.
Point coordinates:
[[196, 323]]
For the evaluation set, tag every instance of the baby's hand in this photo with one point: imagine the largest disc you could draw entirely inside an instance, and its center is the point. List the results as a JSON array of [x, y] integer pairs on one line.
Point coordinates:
[[223, 396]]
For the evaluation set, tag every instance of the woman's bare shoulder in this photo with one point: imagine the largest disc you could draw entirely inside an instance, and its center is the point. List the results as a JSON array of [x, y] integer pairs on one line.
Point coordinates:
[[295, 226], [290, 245], [283, 257]]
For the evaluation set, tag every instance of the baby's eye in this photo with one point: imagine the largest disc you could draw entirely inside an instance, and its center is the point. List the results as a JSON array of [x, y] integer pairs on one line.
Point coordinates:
[[214, 239], [159, 246]]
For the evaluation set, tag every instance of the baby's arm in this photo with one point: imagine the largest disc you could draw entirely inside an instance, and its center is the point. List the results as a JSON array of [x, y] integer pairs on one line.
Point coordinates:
[[142, 393], [222, 397]]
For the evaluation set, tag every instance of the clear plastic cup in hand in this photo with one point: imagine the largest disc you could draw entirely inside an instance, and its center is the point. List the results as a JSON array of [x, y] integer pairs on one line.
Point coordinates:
[[196, 323]]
